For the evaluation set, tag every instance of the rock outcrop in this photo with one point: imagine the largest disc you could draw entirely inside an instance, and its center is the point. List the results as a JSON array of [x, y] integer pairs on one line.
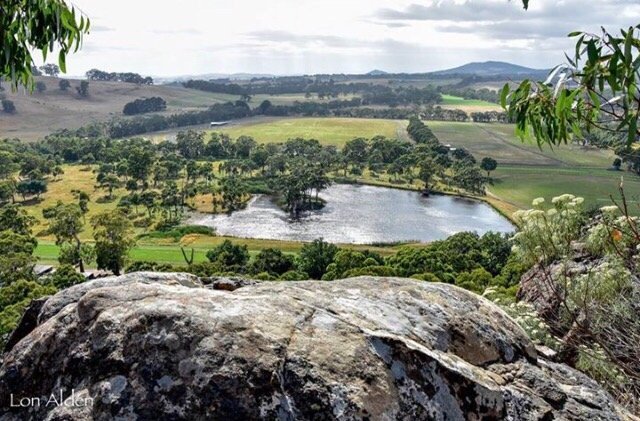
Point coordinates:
[[163, 346]]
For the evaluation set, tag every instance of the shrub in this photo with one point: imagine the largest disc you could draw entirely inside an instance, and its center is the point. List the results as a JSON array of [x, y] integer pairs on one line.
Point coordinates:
[[272, 261], [8, 106], [476, 280], [144, 266], [66, 276], [229, 255], [64, 84], [427, 277], [14, 299], [293, 275], [315, 257], [169, 230]]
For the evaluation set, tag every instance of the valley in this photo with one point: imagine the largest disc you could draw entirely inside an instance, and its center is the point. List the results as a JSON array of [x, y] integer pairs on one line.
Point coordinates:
[[230, 215]]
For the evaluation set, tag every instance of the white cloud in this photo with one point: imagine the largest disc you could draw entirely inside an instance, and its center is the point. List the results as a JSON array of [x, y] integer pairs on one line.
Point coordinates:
[[325, 36]]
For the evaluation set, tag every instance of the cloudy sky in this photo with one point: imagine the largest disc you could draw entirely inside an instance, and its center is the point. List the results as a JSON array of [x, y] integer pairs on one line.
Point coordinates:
[[163, 38]]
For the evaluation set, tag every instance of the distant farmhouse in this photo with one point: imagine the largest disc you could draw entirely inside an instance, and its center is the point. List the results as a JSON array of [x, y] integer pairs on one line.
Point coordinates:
[[218, 123]]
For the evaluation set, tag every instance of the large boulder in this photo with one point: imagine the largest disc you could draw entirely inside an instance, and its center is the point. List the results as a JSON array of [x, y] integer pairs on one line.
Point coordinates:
[[148, 346]]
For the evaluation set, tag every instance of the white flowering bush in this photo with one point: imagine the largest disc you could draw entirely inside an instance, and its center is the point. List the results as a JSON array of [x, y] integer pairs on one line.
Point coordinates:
[[547, 233], [525, 315], [589, 269]]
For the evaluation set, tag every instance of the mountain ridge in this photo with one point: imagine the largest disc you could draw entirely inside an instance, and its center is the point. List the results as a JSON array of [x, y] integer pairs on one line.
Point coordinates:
[[490, 68]]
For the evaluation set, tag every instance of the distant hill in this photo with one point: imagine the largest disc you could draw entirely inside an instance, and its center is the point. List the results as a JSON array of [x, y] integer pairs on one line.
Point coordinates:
[[377, 72], [491, 68], [40, 113], [210, 76]]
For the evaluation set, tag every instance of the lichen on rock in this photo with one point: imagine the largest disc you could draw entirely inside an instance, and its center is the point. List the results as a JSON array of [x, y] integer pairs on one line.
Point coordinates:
[[164, 346]]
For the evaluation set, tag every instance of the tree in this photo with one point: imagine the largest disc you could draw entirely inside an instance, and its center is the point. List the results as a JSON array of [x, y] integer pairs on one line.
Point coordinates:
[[315, 257], [15, 219], [476, 280], [617, 163], [64, 84], [140, 162], [114, 237], [57, 171], [149, 200], [27, 26], [7, 191], [50, 69], [596, 88], [427, 171], [229, 255], [8, 164], [244, 145], [488, 165], [41, 86], [8, 106], [83, 200], [264, 106], [144, 105], [16, 256], [83, 89], [190, 143], [66, 224], [355, 151], [66, 276], [109, 182], [233, 192], [31, 187], [14, 299], [272, 261], [468, 177]]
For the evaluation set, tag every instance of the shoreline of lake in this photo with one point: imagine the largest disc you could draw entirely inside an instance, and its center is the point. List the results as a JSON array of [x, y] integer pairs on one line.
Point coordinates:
[[362, 214]]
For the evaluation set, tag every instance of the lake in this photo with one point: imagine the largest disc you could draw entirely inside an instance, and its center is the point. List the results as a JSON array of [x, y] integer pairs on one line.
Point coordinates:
[[361, 215]]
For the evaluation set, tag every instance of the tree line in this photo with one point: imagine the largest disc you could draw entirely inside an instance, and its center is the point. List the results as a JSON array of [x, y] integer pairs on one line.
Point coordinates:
[[127, 77], [466, 259], [369, 93]]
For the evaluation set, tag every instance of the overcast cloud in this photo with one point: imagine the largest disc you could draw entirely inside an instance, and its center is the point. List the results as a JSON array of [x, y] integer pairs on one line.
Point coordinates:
[[331, 36]]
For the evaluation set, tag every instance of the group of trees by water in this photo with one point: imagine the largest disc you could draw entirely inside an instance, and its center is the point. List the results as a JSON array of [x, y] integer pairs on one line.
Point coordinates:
[[295, 171], [466, 259]]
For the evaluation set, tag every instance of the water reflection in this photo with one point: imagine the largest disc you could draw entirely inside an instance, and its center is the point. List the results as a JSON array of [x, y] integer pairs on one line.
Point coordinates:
[[362, 215]]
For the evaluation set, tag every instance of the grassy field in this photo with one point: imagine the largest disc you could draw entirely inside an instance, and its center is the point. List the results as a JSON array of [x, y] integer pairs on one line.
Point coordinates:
[[75, 177], [329, 131], [168, 251], [520, 185], [499, 141], [526, 171], [467, 105], [40, 113]]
